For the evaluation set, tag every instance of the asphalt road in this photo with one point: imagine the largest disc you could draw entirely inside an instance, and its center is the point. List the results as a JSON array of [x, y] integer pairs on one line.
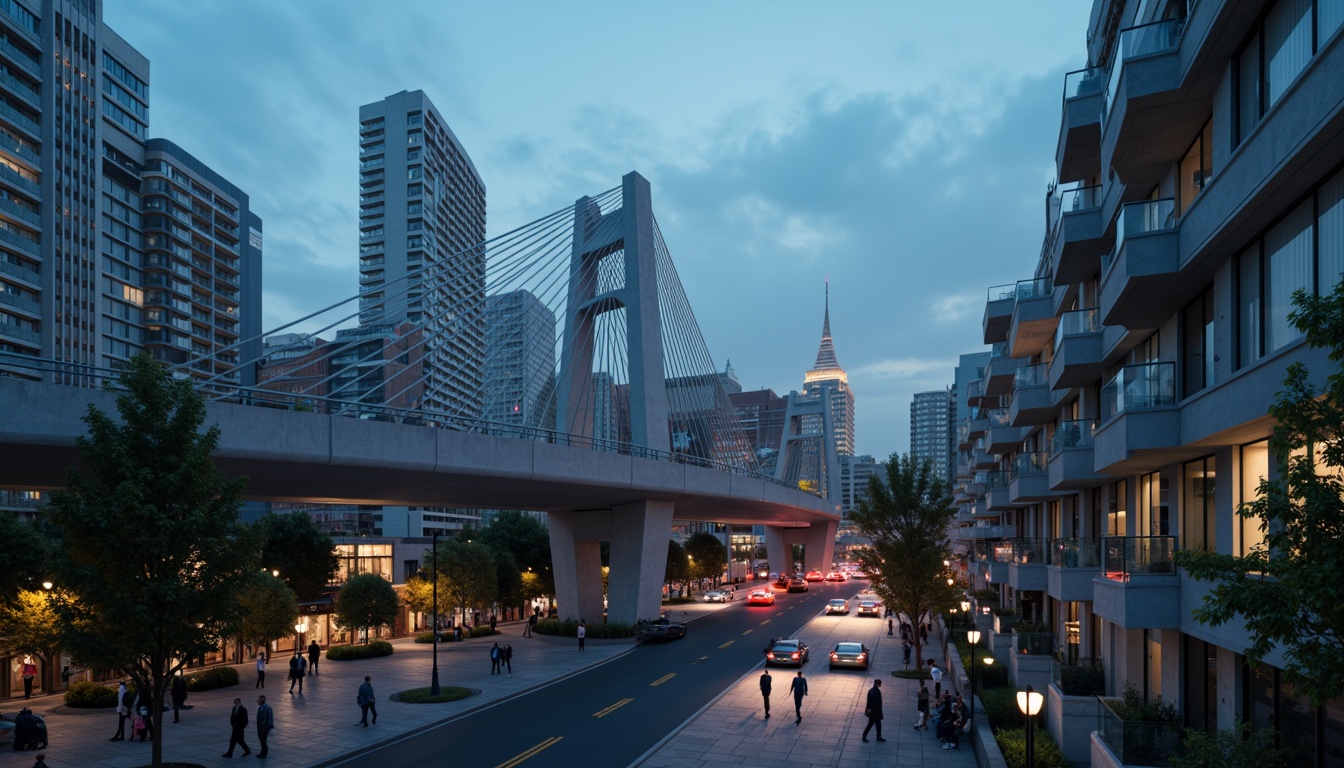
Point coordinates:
[[610, 715]]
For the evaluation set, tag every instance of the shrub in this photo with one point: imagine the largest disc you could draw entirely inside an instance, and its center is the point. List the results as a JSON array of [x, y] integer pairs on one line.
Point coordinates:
[[424, 637], [1238, 747], [482, 631], [89, 695], [1001, 707], [1013, 745], [1132, 707], [212, 678], [570, 628], [1087, 680], [351, 652]]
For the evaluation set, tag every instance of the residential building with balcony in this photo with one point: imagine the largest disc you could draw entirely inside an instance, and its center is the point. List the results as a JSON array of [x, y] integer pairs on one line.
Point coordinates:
[[1200, 168]]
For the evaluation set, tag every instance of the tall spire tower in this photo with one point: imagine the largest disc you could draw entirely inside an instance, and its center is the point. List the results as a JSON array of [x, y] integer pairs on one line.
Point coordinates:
[[826, 372]]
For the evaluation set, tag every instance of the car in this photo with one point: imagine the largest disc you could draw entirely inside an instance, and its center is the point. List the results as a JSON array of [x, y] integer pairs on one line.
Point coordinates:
[[660, 629], [761, 597], [869, 608], [793, 652], [835, 576], [837, 605], [797, 585], [782, 582], [719, 595], [813, 576], [850, 655]]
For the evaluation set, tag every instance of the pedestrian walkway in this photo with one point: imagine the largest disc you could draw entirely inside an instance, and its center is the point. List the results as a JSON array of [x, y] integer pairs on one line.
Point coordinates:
[[732, 731]]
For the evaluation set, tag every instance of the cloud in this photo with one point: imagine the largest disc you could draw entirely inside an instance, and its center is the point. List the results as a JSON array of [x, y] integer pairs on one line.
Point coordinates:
[[949, 309]]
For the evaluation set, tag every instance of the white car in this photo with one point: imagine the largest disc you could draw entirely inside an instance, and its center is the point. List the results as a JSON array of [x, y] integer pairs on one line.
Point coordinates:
[[718, 595]]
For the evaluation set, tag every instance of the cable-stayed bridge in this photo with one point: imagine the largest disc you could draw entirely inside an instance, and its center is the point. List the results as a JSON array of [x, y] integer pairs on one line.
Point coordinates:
[[556, 367]]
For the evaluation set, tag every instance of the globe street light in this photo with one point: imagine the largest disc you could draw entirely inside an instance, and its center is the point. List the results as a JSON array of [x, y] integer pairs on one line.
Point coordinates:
[[973, 637], [966, 609], [1030, 703], [299, 628]]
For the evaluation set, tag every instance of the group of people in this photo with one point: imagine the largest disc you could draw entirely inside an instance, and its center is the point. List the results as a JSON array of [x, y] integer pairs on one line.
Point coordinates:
[[950, 719], [500, 659]]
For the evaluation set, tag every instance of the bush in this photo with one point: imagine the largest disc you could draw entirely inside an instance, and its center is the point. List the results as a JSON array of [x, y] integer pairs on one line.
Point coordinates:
[[482, 631], [1013, 745], [351, 652], [425, 637], [1088, 680], [212, 678], [570, 628], [88, 695], [1132, 707], [1001, 707]]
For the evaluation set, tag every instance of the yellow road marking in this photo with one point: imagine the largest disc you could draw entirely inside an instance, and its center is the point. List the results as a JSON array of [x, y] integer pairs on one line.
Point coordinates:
[[748, 632], [725, 645], [511, 762], [612, 708], [763, 623], [663, 679]]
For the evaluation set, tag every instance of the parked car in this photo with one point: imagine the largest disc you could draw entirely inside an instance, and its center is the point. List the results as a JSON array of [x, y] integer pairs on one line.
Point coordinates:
[[660, 629], [719, 595], [793, 652], [850, 655], [797, 585], [869, 608], [813, 576], [837, 606], [761, 597]]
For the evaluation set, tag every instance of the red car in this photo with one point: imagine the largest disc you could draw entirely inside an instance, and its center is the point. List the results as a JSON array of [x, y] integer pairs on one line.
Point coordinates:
[[813, 576], [761, 597]]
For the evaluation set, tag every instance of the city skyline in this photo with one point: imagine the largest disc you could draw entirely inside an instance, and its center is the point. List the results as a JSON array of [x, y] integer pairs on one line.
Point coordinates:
[[855, 146]]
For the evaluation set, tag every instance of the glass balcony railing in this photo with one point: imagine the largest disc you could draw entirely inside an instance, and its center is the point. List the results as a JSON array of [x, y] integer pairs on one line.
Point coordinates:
[[1157, 37], [1027, 551], [1084, 82], [1136, 743], [1034, 289], [1075, 553], [1149, 385], [1072, 434], [1031, 376], [1030, 463], [1071, 199], [997, 349], [1076, 323], [998, 479], [1034, 643], [1137, 219], [1077, 676], [998, 417], [1125, 556], [1002, 551], [1001, 292]]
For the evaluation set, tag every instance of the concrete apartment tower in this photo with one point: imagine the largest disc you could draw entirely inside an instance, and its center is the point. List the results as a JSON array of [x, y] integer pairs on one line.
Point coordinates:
[[931, 416], [421, 223]]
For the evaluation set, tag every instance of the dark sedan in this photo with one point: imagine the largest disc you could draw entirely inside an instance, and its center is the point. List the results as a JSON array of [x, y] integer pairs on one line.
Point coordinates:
[[850, 655], [792, 652]]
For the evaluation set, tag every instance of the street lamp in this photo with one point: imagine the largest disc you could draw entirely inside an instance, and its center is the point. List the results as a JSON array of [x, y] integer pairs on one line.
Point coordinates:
[[966, 609], [434, 689], [299, 628], [973, 637], [47, 585], [1030, 703]]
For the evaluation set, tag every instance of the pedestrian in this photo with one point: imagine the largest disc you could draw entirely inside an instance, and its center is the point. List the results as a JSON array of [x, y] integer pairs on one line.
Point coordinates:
[[365, 699], [25, 730], [492, 623], [179, 694], [29, 674], [937, 675], [41, 761], [946, 717], [873, 710], [799, 689], [142, 725], [891, 626], [298, 669], [238, 726], [123, 710], [960, 719], [495, 659], [508, 657], [457, 633], [922, 706], [905, 653], [314, 654], [531, 625], [582, 632], [261, 669], [766, 681], [265, 722]]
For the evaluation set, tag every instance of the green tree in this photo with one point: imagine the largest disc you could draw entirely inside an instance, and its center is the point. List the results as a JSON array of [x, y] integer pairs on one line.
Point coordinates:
[[508, 581], [29, 624], [905, 516], [152, 557], [678, 571], [1287, 590], [269, 610], [22, 558], [299, 551], [522, 536], [468, 574], [419, 593], [1237, 747], [365, 601], [708, 558]]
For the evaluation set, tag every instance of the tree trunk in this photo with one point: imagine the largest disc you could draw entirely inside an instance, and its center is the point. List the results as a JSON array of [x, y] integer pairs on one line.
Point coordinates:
[[152, 720]]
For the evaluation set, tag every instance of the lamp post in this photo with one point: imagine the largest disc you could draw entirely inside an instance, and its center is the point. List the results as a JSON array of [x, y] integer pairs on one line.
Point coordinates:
[[973, 637], [1030, 703], [300, 627], [970, 620], [434, 689]]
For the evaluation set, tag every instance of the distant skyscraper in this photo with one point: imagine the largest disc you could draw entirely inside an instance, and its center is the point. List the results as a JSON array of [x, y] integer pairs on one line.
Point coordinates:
[[826, 372], [931, 419], [422, 218], [760, 414], [519, 361], [854, 474]]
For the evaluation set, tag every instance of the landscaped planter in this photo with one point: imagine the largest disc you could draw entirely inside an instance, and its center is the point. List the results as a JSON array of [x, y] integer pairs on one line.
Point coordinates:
[[1070, 721]]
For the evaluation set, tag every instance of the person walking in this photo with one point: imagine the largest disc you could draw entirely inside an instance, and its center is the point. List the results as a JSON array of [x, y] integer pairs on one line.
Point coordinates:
[[583, 632], [922, 706], [314, 654], [873, 710], [492, 623], [123, 710], [265, 722], [508, 657], [937, 675], [891, 626], [766, 682], [178, 694], [261, 669], [495, 654], [142, 724], [238, 724], [905, 653], [298, 669], [365, 699], [29, 674], [530, 625], [799, 689]]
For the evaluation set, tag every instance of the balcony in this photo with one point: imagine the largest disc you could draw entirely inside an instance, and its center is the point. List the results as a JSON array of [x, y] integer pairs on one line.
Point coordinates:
[[1071, 565], [998, 499], [1079, 356], [1071, 458], [1031, 403], [999, 303], [981, 459], [975, 392], [11, 176], [1077, 235], [22, 335], [980, 532], [1136, 289], [1138, 416], [1033, 321], [29, 276], [1147, 117], [1001, 370], [1030, 481], [1002, 436], [1138, 587], [21, 121], [1118, 742], [1078, 153], [21, 304], [1026, 572], [26, 244]]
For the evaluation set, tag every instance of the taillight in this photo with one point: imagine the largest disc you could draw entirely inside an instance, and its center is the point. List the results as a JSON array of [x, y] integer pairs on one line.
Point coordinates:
[[795, 655], [862, 656], [834, 655]]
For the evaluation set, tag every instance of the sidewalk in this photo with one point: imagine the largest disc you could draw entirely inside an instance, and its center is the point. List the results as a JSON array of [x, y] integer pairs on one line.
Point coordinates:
[[731, 730]]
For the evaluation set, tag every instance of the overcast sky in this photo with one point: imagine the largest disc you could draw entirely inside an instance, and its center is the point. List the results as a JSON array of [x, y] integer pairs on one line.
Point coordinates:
[[901, 148]]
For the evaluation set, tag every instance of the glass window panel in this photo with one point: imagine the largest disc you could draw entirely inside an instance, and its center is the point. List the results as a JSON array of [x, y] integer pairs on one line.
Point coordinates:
[[1329, 16], [1288, 250], [1288, 46], [1197, 511], [1248, 305], [1330, 233], [1248, 89], [1254, 469]]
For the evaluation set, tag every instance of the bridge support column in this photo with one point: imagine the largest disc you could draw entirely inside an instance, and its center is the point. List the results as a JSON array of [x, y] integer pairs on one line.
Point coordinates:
[[639, 535], [577, 563], [778, 551], [819, 546]]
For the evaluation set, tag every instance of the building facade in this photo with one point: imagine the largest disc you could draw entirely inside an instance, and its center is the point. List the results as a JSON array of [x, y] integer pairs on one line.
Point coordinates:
[[1122, 415], [931, 419], [520, 361], [827, 373]]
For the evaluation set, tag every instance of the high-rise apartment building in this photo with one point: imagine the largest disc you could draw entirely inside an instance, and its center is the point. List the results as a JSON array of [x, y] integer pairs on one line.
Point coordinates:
[[1123, 414], [520, 361], [421, 258], [111, 242], [826, 372], [931, 429]]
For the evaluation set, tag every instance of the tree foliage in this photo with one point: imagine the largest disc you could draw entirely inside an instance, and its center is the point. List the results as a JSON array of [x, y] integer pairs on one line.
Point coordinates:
[[1237, 747], [29, 624], [708, 558], [678, 571], [366, 600], [301, 552], [525, 539], [152, 556], [467, 573], [22, 557], [1287, 590], [269, 610], [905, 516]]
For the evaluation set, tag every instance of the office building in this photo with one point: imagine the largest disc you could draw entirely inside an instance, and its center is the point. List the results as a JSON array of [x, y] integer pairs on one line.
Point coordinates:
[[931, 416], [520, 366], [854, 474], [1123, 411], [827, 373]]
